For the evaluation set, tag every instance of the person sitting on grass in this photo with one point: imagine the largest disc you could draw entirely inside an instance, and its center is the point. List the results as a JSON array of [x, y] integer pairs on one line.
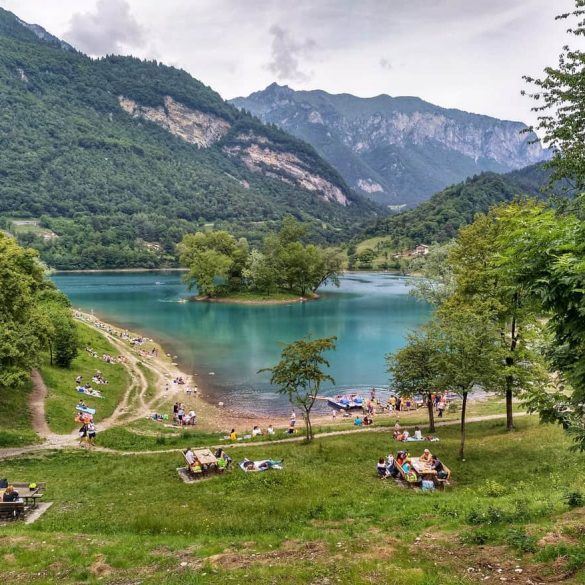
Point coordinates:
[[270, 430], [358, 421], [10, 495], [381, 468], [391, 465], [367, 421], [256, 431], [233, 435], [418, 434]]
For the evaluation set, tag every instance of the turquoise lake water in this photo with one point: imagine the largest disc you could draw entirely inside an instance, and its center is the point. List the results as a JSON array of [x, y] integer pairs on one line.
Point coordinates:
[[370, 315]]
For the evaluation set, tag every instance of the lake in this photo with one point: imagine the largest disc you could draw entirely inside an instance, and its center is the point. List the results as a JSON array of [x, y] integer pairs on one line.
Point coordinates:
[[226, 345]]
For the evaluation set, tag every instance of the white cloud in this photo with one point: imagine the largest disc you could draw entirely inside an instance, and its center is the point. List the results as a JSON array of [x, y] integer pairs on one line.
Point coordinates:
[[110, 28], [468, 54]]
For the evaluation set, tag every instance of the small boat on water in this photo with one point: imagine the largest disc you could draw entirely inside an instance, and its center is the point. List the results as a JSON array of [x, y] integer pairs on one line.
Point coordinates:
[[346, 401]]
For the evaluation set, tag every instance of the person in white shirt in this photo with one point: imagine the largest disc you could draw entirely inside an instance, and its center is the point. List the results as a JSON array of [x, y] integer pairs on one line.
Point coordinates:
[[256, 431], [270, 430], [190, 457], [418, 434]]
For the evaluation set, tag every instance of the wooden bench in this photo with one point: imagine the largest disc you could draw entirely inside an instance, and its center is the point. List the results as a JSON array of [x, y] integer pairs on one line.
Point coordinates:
[[11, 510]]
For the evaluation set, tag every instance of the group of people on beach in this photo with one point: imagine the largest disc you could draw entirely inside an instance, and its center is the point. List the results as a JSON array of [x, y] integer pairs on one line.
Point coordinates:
[[182, 417]]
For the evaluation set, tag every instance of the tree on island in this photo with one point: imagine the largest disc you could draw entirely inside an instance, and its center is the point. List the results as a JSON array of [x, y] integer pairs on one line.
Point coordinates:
[[415, 368], [219, 264], [299, 374], [215, 261]]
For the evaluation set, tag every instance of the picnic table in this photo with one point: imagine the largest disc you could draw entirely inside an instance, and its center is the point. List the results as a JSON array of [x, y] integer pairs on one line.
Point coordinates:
[[28, 495], [421, 467]]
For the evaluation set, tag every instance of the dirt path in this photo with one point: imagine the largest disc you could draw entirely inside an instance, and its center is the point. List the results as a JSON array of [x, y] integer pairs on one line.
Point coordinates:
[[8, 453], [37, 405]]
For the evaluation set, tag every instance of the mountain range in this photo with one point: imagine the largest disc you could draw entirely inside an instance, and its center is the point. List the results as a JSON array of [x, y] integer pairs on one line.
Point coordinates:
[[119, 157], [396, 150]]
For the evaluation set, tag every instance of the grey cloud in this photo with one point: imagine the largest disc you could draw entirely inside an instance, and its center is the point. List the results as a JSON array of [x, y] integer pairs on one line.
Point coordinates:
[[385, 64], [286, 52], [110, 29]]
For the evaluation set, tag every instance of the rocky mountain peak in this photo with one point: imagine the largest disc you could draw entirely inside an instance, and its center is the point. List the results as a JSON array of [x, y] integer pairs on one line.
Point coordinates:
[[396, 150]]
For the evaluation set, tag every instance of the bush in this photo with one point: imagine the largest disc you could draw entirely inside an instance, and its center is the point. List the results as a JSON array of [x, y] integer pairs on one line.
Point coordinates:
[[521, 541], [574, 499], [494, 489]]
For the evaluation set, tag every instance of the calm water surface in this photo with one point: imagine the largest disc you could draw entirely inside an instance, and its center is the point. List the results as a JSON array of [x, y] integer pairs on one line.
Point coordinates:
[[370, 315]]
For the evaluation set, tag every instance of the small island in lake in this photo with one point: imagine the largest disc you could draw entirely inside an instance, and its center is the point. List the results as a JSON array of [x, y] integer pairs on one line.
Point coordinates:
[[283, 269]]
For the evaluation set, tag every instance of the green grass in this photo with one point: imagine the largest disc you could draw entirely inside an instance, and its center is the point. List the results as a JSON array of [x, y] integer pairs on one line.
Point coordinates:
[[117, 519], [15, 421], [258, 297], [62, 396]]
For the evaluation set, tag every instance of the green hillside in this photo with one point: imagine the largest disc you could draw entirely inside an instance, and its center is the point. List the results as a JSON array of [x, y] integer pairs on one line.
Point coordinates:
[[439, 218], [120, 190]]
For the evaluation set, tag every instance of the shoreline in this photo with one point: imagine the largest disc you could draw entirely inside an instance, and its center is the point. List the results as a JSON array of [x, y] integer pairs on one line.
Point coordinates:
[[120, 270], [236, 301]]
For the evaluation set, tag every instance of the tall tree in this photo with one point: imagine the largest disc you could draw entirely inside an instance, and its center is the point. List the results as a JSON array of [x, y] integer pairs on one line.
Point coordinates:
[[483, 285], [545, 249], [415, 368], [560, 104], [215, 260], [21, 278], [469, 355], [299, 374]]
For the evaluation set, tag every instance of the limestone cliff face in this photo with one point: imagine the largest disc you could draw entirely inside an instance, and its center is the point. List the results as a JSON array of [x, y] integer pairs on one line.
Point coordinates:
[[260, 155], [193, 126], [396, 150], [257, 152]]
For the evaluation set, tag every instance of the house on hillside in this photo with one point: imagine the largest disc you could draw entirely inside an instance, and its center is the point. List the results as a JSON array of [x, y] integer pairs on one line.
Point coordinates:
[[420, 250]]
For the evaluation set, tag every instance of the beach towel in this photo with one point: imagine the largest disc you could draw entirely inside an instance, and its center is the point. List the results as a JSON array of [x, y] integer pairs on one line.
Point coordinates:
[[85, 409], [264, 465]]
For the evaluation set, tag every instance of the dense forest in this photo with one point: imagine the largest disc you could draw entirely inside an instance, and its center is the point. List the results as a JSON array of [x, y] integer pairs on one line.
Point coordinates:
[[440, 218], [119, 191]]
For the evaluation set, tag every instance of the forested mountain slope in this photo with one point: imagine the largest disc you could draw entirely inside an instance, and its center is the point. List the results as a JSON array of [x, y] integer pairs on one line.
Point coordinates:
[[120, 157], [439, 218], [396, 150]]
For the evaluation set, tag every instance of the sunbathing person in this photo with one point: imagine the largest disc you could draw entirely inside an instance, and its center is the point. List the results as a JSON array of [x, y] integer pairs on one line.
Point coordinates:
[[418, 434]]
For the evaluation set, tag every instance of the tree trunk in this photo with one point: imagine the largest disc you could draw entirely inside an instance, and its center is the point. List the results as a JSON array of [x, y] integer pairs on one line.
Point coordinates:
[[509, 413], [431, 414], [463, 412], [50, 353], [308, 426], [510, 362]]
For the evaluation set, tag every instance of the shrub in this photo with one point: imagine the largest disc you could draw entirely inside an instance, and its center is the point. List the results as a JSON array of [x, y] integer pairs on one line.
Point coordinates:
[[574, 499], [521, 541], [494, 489]]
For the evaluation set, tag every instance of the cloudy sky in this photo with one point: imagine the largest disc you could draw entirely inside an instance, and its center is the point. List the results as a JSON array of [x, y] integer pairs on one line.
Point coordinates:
[[469, 54]]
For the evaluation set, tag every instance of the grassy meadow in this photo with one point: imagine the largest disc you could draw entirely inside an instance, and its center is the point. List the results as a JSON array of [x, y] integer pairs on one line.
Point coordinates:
[[514, 506], [62, 395]]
